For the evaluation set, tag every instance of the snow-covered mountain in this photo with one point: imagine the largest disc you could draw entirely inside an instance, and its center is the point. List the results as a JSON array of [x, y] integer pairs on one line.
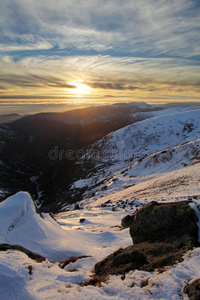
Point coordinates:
[[148, 148], [151, 166], [27, 143], [147, 137]]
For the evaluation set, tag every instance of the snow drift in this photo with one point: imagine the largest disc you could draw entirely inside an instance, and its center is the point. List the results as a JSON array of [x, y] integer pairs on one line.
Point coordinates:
[[21, 225]]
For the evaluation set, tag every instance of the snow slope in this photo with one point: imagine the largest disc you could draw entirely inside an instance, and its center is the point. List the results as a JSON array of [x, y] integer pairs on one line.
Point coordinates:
[[149, 167], [22, 278], [21, 225], [148, 148], [148, 136]]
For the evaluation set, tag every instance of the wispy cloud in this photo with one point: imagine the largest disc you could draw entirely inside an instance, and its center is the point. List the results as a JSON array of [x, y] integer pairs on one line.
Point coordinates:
[[156, 27], [133, 47], [99, 72], [112, 86]]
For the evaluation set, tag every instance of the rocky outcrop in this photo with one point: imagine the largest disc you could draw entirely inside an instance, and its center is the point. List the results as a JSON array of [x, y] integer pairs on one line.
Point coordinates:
[[161, 234], [142, 256], [165, 222], [121, 261]]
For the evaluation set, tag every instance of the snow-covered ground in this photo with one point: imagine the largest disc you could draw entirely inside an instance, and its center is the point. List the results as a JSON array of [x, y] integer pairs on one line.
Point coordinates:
[[170, 164], [98, 236]]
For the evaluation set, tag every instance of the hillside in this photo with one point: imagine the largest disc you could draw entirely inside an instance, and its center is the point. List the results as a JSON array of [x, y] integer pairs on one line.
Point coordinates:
[[33, 144], [120, 157]]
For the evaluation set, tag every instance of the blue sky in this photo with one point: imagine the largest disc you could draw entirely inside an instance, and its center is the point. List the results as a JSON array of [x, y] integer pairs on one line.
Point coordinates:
[[93, 50]]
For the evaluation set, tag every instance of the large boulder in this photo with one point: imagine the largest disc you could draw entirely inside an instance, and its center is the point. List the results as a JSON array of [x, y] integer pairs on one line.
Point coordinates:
[[161, 234], [165, 222]]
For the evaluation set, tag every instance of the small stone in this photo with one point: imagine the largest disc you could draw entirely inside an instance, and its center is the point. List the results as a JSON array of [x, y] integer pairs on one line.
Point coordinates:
[[82, 220], [77, 207]]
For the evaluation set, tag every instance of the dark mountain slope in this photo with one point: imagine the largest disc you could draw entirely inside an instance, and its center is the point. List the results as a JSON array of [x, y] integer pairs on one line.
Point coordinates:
[[32, 145]]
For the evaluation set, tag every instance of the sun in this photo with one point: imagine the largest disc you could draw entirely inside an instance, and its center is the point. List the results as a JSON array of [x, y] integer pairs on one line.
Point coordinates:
[[81, 88]]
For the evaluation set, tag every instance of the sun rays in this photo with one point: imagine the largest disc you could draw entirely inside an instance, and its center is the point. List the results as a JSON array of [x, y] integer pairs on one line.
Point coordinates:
[[80, 88]]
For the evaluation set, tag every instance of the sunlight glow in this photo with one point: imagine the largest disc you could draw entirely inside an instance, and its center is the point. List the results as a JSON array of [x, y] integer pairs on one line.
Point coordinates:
[[81, 88]]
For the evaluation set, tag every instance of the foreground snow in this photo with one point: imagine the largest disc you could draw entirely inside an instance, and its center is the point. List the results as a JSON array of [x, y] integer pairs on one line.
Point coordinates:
[[48, 281], [98, 236]]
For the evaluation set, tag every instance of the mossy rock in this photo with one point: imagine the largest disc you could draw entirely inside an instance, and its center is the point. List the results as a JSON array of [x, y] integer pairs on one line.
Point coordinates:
[[142, 256], [193, 290], [120, 262], [161, 233], [164, 222]]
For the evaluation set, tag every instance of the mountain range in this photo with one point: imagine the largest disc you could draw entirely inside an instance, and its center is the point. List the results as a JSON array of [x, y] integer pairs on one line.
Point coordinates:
[[62, 158], [26, 143]]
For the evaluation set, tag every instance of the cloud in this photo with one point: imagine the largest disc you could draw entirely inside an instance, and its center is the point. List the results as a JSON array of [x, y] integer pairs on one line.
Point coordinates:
[[143, 28], [33, 81], [120, 48], [112, 86], [42, 76]]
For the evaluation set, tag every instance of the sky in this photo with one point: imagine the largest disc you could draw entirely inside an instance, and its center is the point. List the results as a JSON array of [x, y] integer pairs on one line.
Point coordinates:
[[82, 52]]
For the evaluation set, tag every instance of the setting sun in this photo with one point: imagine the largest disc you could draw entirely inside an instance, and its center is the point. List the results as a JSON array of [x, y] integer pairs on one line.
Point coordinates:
[[81, 88]]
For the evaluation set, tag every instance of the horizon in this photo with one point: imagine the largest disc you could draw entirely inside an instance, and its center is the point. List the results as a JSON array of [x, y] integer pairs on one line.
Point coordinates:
[[31, 109], [74, 53]]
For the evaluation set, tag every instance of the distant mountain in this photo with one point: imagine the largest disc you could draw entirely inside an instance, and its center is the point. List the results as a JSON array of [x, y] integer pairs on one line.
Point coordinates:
[[158, 139], [99, 114], [9, 118]]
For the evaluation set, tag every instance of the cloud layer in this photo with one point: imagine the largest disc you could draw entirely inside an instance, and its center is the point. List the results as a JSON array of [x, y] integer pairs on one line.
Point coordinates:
[[134, 48]]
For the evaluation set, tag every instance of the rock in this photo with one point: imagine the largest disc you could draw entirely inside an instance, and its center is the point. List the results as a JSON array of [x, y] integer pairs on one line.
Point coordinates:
[[30, 270], [193, 290], [127, 220], [82, 220], [77, 206], [32, 255], [161, 234], [119, 262], [165, 222], [71, 259], [142, 256], [136, 258]]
